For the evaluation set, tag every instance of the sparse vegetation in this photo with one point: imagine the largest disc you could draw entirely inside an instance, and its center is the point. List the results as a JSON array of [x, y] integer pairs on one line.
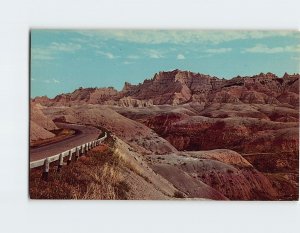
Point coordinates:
[[95, 176], [229, 171], [131, 166], [223, 115], [178, 194]]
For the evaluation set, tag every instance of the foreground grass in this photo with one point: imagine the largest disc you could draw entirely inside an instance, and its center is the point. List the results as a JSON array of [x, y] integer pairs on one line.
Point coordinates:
[[95, 176]]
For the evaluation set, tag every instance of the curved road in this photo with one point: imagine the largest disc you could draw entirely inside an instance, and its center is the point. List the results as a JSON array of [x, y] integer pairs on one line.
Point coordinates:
[[86, 134]]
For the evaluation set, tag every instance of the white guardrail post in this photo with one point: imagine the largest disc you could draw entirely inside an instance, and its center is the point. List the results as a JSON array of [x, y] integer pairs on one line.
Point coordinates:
[[78, 151], [60, 162], [82, 150], [85, 149], [46, 169], [70, 157]]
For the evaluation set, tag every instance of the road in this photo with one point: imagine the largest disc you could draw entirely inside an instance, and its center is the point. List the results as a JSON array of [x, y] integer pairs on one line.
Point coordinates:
[[86, 134]]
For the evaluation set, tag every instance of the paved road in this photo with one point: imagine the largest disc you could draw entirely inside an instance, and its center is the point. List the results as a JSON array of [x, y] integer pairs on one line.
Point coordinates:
[[86, 134]]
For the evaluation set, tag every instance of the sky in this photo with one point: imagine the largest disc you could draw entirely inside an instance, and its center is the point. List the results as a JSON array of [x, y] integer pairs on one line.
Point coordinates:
[[64, 60]]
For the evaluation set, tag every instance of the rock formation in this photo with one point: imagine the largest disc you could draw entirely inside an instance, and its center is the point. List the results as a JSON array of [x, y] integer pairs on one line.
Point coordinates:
[[208, 137], [179, 87], [40, 124]]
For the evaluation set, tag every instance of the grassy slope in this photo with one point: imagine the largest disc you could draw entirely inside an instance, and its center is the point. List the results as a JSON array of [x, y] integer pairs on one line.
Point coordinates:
[[109, 171], [95, 176]]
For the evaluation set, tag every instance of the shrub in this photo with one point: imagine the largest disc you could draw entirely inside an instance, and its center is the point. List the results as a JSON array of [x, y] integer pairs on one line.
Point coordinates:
[[178, 194]]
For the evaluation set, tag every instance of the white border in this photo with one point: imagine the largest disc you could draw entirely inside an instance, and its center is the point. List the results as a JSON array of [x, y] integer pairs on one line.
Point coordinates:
[[19, 214]]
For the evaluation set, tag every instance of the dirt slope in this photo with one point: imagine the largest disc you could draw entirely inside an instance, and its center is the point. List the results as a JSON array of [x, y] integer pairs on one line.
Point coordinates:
[[40, 124]]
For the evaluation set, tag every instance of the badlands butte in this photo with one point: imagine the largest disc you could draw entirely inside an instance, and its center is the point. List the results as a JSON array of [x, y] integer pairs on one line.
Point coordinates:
[[189, 135]]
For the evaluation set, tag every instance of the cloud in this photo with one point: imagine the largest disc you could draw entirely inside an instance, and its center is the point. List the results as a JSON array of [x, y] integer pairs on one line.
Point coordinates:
[[153, 53], [206, 55], [260, 48], [48, 81], [295, 58], [55, 81], [219, 50], [180, 57], [181, 36], [65, 47], [128, 62], [110, 55], [81, 40], [41, 54], [107, 54], [51, 51], [133, 57]]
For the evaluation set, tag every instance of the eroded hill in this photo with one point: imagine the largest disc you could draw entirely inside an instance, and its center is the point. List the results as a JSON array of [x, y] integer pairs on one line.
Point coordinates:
[[196, 135]]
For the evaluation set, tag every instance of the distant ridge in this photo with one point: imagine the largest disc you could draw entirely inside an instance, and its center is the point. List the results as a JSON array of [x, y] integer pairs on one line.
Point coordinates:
[[178, 87]]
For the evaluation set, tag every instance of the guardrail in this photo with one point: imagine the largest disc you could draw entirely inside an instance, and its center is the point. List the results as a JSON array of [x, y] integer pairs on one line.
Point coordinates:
[[77, 151]]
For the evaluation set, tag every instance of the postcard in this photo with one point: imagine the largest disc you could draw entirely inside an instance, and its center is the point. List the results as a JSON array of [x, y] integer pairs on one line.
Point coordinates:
[[164, 115]]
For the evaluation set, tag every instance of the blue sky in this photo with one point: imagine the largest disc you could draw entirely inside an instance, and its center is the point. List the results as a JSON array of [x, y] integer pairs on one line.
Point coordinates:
[[63, 60]]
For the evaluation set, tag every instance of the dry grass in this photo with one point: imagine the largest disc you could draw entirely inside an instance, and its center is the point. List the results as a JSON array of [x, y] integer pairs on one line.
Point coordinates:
[[131, 165], [286, 185], [95, 176]]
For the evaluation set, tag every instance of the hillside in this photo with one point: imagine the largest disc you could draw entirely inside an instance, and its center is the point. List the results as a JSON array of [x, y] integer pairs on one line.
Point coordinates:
[[201, 136]]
